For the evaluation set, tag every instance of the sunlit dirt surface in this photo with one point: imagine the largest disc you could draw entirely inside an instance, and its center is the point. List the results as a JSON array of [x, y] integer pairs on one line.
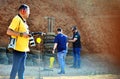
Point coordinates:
[[109, 76]]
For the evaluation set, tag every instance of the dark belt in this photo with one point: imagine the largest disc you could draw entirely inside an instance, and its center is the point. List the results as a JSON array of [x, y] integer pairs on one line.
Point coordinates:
[[18, 51]]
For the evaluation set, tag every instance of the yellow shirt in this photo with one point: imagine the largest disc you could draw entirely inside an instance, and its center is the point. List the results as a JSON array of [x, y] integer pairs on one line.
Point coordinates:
[[17, 24]]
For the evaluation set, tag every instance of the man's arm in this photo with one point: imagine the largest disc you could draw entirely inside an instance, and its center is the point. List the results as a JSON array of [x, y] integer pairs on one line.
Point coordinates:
[[73, 40], [37, 33], [14, 33], [55, 46], [67, 44]]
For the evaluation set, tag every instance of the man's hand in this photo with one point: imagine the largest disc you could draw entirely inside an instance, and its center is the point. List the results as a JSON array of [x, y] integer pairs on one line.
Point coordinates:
[[43, 33], [69, 38], [53, 51]]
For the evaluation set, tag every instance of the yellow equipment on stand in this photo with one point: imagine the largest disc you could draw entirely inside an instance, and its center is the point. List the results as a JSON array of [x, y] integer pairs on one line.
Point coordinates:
[[38, 40], [52, 59]]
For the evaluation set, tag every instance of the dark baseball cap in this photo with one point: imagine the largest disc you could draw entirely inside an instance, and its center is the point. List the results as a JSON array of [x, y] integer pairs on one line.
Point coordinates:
[[74, 28]]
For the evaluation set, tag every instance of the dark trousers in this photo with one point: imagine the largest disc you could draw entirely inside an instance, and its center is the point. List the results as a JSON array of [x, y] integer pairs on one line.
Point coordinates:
[[76, 57], [18, 66]]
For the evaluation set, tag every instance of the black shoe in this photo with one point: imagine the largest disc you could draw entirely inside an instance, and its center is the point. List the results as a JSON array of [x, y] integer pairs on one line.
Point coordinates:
[[78, 67], [72, 66], [61, 72]]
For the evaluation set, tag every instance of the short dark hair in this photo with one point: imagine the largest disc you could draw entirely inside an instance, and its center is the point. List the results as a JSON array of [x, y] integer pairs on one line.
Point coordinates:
[[59, 29], [23, 6]]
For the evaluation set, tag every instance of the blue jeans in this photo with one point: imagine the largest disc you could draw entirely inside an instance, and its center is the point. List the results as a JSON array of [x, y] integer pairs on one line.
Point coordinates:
[[18, 66], [61, 59], [76, 57]]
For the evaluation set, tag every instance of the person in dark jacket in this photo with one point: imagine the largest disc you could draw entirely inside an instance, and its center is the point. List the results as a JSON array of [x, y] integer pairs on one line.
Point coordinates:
[[76, 47]]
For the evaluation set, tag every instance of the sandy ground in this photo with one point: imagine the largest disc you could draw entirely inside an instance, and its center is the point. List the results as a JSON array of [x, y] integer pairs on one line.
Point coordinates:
[[92, 67], [86, 77]]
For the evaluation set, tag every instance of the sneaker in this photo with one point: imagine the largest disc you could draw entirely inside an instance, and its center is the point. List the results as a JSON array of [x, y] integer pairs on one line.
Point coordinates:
[[77, 67], [72, 66], [61, 72]]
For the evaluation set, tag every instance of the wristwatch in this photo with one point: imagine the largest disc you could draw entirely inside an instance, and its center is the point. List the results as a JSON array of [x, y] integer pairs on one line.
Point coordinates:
[[21, 34]]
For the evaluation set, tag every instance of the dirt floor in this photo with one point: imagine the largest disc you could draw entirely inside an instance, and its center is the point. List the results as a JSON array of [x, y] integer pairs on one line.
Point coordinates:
[[86, 77], [92, 67]]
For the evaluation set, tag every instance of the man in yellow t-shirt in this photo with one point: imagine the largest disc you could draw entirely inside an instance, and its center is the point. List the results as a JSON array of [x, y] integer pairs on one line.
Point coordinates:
[[19, 29]]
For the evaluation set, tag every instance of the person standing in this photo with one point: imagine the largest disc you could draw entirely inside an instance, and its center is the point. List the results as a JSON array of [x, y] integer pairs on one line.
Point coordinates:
[[18, 29], [76, 47], [61, 43]]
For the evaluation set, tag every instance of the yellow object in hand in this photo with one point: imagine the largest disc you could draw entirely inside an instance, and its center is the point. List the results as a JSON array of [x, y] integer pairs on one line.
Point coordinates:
[[38, 40]]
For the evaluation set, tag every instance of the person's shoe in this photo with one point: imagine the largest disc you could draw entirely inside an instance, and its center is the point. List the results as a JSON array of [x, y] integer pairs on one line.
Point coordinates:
[[78, 67], [72, 66], [61, 72]]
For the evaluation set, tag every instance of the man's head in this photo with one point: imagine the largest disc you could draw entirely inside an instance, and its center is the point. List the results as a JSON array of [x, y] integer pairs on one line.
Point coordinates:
[[59, 30], [74, 28], [24, 10]]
